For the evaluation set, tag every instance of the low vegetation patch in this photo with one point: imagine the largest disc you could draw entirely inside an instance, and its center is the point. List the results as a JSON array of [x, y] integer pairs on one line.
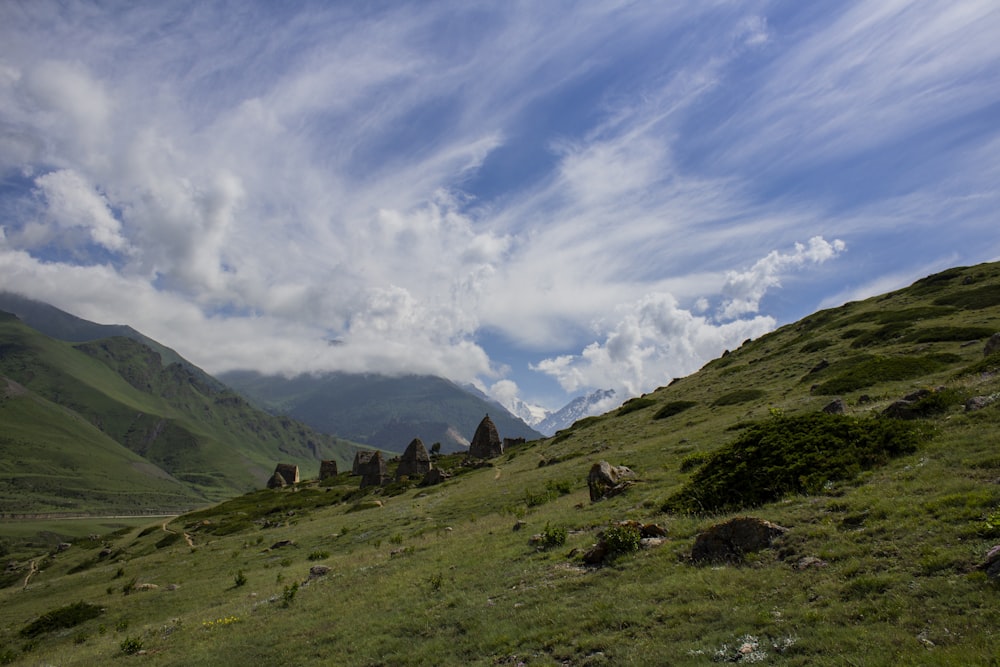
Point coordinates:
[[786, 455], [863, 372], [739, 396], [61, 618], [979, 298], [635, 404], [673, 408]]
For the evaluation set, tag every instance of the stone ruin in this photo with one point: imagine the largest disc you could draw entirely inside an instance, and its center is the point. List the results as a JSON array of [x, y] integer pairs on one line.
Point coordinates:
[[415, 462], [373, 472], [486, 442], [285, 474], [361, 459], [327, 469], [510, 442]]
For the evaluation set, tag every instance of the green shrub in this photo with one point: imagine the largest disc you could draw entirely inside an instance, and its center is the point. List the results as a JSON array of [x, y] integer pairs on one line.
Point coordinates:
[[61, 618], [562, 487], [635, 404], [867, 371], [947, 334], [880, 336], [978, 298], [318, 555], [239, 579], [553, 536], [673, 408], [621, 539], [130, 645], [739, 396], [289, 594], [785, 455], [815, 346], [692, 461]]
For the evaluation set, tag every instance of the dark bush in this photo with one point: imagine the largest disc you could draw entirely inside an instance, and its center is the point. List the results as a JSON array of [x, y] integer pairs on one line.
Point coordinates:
[[61, 618], [947, 334], [621, 539], [880, 336], [635, 404], [972, 299], [739, 396], [673, 408], [815, 345], [864, 372], [786, 455]]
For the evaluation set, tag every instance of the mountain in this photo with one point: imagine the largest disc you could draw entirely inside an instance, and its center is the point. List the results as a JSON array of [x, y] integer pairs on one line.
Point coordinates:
[[866, 435], [175, 421], [378, 410], [578, 408]]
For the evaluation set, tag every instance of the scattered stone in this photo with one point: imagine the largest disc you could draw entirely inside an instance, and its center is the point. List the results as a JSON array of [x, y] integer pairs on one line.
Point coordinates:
[[991, 566], [651, 542], [146, 587], [606, 480], [327, 469], [373, 473], [486, 442], [415, 462], [904, 407], [361, 459], [835, 407], [992, 345], [172, 587], [283, 543], [434, 476], [729, 541], [810, 563], [317, 571], [365, 505], [596, 554], [285, 474], [105, 552], [978, 402], [519, 525], [651, 530]]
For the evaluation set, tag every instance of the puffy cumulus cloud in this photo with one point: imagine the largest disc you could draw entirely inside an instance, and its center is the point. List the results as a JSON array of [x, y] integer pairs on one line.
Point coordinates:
[[653, 341], [743, 290], [74, 203]]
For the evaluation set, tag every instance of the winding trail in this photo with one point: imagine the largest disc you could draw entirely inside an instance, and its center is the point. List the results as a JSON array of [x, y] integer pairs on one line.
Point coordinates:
[[32, 572], [187, 537]]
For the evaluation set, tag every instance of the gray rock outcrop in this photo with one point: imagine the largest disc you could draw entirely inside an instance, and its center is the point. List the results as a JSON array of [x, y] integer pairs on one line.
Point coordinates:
[[486, 443], [606, 480], [992, 345]]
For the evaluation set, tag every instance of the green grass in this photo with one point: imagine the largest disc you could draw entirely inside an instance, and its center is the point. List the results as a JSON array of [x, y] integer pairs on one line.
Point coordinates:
[[440, 575]]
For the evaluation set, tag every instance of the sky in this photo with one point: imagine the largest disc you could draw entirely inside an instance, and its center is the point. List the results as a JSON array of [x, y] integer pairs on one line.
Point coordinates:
[[539, 198]]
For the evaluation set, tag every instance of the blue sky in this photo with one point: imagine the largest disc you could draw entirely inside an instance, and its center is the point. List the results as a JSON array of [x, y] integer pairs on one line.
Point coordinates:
[[541, 198]]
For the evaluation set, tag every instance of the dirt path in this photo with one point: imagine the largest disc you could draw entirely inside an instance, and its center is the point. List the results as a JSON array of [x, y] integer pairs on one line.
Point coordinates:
[[32, 572], [187, 537]]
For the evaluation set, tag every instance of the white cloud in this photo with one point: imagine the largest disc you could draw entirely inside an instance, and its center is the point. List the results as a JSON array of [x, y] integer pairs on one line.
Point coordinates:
[[74, 203]]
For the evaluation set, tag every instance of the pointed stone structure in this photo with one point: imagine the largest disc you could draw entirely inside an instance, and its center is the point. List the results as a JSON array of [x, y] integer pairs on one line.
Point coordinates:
[[327, 469], [373, 472], [486, 443], [361, 459], [415, 462], [286, 472]]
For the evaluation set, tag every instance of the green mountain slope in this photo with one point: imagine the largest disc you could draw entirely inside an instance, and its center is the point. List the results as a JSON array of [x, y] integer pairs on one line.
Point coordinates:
[[54, 461], [209, 438], [890, 510], [380, 411]]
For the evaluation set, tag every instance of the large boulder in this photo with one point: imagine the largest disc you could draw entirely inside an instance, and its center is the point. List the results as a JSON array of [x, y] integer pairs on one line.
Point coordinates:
[[373, 472], [835, 407], [415, 462], [486, 443], [434, 476], [606, 480], [991, 564], [729, 541]]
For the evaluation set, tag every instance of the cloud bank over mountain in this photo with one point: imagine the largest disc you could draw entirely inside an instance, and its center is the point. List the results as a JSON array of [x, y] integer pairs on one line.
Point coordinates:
[[544, 198]]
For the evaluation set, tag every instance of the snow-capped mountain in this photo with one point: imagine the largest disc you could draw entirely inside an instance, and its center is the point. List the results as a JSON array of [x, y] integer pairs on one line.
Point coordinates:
[[598, 402]]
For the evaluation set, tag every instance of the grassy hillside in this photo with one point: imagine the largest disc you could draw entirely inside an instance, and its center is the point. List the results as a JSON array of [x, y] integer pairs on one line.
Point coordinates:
[[210, 439], [380, 411], [887, 522]]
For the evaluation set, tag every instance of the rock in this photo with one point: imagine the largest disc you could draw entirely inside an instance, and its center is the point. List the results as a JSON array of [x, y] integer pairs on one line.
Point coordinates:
[[728, 541], [652, 530], [317, 571], [361, 459], [835, 407], [978, 403], [518, 525], [992, 345], [606, 480], [365, 505], [327, 469], [486, 442], [373, 473], [63, 546], [991, 565], [282, 543], [285, 474], [651, 542], [822, 365], [434, 476], [596, 554], [415, 462], [146, 587], [810, 563]]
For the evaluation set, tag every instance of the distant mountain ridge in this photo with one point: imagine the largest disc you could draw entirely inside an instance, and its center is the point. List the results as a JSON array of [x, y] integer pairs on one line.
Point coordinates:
[[169, 421], [580, 407], [379, 410]]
